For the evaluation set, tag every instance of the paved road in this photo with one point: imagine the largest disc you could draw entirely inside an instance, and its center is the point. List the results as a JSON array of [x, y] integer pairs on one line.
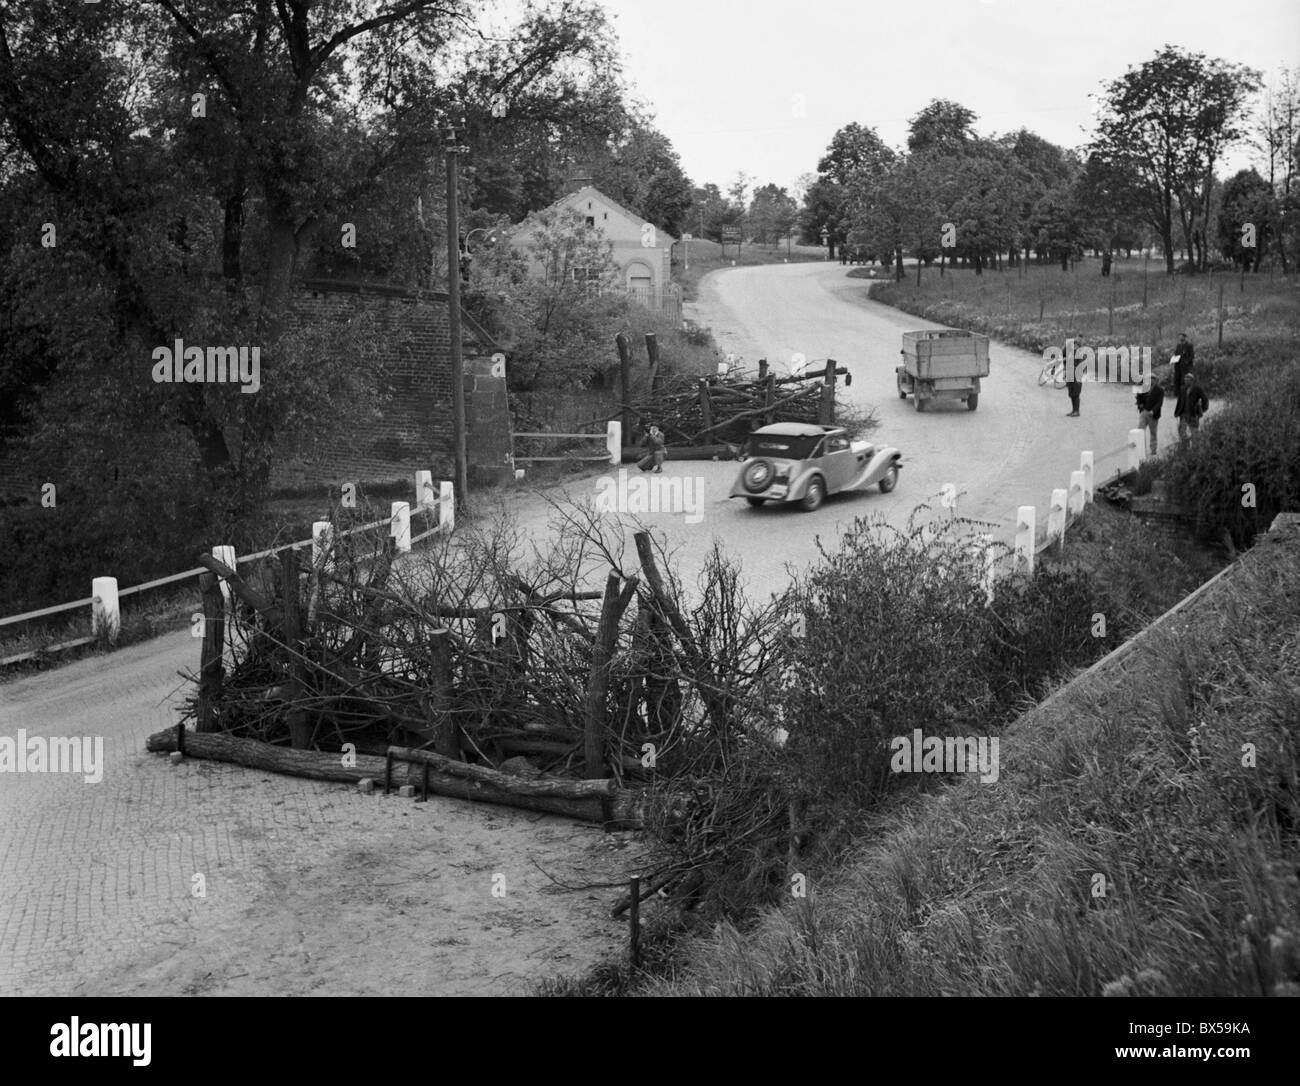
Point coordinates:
[[313, 887]]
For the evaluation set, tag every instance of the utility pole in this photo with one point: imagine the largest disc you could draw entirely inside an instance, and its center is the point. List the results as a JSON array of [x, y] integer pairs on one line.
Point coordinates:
[[455, 149]]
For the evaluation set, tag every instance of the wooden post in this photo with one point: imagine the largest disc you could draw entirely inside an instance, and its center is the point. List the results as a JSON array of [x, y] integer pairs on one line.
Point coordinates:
[[214, 636], [446, 507], [706, 407], [826, 406], [762, 369], [300, 731], [424, 492], [634, 920], [1076, 499], [1086, 466], [445, 741], [614, 441], [602, 653], [652, 352], [625, 379]]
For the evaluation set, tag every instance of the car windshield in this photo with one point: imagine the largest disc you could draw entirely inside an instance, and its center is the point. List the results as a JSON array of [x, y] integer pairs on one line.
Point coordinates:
[[782, 445]]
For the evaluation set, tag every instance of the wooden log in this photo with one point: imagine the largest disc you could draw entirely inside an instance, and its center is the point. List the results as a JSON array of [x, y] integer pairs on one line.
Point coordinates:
[[446, 741], [300, 731], [214, 636], [574, 799], [706, 408], [602, 655], [259, 603], [719, 451]]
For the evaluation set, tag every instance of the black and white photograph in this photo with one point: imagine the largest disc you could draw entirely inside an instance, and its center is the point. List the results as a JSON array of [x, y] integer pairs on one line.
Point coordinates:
[[601, 499]]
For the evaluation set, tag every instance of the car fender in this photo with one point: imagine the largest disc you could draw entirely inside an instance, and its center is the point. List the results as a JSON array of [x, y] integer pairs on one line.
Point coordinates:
[[876, 468], [799, 484]]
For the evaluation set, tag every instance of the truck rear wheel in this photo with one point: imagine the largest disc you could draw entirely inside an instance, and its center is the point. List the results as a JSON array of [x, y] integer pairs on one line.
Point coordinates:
[[972, 401]]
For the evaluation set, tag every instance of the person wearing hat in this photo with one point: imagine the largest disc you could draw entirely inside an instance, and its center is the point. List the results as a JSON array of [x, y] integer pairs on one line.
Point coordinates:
[[1149, 402], [1192, 404]]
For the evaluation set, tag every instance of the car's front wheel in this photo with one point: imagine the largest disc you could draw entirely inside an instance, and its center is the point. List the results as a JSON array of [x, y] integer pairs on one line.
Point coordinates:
[[815, 495], [890, 480]]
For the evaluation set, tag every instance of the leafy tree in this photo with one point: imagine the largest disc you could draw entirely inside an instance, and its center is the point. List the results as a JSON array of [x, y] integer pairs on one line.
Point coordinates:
[[772, 214], [1248, 211], [942, 127], [1167, 123]]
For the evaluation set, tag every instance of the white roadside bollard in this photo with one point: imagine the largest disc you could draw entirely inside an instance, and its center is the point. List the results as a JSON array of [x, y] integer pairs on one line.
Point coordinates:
[[1025, 525], [400, 527], [1086, 466], [1076, 493], [1056, 515], [105, 614], [614, 441], [322, 540], [446, 507], [1137, 444], [425, 496]]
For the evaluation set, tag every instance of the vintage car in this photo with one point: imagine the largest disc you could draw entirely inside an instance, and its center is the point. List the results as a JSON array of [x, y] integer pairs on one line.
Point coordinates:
[[799, 462]]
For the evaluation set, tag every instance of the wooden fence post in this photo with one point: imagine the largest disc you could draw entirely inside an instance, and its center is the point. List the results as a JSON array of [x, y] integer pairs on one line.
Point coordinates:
[[445, 740], [826, 406], [602, 653], [1086, 466], [706, 407], [300, 730], [214, 636]]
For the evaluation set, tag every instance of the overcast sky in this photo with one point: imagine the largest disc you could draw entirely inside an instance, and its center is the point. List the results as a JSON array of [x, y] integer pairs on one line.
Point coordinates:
[[762, 85]]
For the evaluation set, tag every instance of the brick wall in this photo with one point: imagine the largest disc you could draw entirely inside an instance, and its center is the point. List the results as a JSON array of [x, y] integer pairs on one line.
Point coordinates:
[[415, 431]]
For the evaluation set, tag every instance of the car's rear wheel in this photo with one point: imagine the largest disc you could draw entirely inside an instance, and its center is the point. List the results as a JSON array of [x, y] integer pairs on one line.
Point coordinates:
[[755, 502], [815, 495], [757, 475], [890, 480], [972, 401]]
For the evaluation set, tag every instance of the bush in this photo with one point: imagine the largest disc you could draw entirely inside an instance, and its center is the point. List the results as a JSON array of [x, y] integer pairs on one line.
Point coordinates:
[[1252, 441]]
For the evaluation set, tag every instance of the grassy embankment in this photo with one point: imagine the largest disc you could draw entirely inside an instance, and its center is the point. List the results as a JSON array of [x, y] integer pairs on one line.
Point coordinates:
[[1141, 839]]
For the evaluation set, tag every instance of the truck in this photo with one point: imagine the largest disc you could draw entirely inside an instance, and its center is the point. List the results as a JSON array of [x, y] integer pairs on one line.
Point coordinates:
[[944, 364]]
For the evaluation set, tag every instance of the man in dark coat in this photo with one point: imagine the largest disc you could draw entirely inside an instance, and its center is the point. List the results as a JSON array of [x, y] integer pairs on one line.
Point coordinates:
[[1149, 404], [1192, 404], [1073, 388], [1184, 356]]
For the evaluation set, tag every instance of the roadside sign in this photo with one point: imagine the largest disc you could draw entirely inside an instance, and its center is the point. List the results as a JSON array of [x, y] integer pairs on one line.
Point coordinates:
[[731, 233], [688, 237]]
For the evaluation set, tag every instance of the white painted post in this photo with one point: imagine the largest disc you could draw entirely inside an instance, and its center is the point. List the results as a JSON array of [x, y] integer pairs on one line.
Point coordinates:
[[614, 441], [105, 614], [322, 538], [1076, 493], [1137, 446], [1086, 466], [424, 493], [446, 507], [1056, 515], [400, 527], [1025, 525]]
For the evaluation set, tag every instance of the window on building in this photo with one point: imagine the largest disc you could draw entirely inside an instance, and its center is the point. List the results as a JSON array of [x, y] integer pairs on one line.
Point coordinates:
[[591, 220], [588, 277]]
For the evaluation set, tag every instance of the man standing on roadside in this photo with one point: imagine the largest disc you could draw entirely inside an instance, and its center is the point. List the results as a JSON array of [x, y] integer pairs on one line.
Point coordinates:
[[1148, 404], [1184, 356], [1073, 386], [1192, 404]]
